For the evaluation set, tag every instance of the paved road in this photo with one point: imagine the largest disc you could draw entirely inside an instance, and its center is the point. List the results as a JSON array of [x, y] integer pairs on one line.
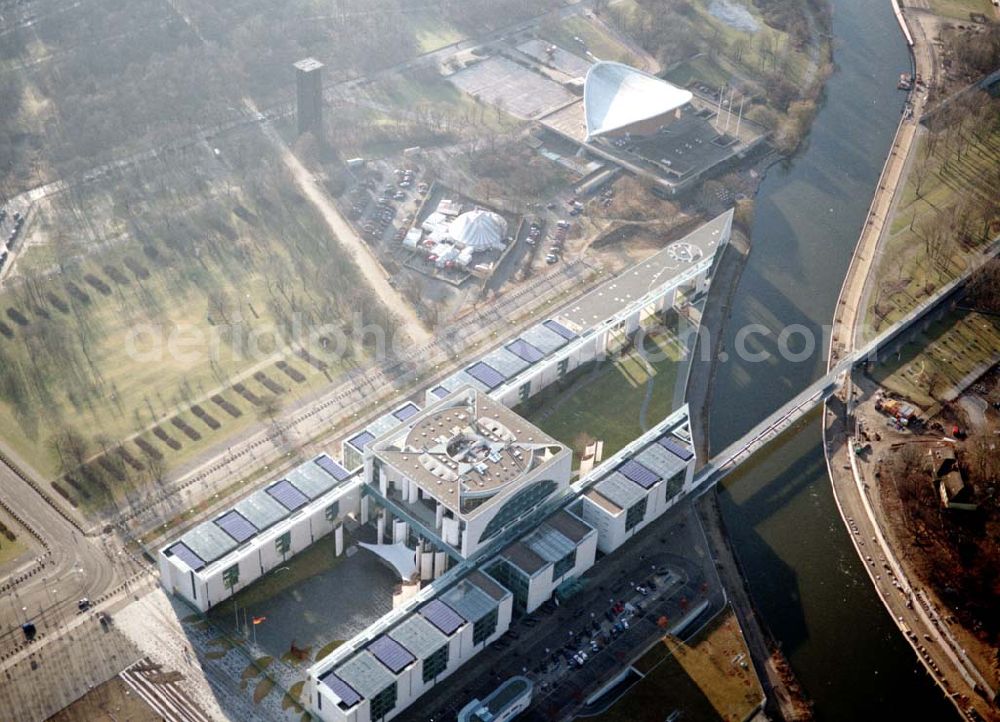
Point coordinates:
[[77, 566]]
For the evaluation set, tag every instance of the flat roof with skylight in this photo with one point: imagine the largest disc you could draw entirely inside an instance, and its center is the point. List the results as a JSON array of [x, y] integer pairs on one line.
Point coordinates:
[[649, 275], [467, 450]]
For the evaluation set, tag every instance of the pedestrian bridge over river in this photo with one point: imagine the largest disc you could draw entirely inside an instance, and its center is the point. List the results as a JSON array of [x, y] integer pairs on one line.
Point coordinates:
[[889, 341]]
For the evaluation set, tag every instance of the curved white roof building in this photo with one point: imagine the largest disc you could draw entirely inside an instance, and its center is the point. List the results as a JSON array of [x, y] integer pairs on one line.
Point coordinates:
[[480, 230], [617, 98]]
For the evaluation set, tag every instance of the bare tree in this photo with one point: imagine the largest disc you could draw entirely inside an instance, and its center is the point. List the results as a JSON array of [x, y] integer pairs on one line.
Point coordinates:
[[936, 234], [982, 457], [922, 172]]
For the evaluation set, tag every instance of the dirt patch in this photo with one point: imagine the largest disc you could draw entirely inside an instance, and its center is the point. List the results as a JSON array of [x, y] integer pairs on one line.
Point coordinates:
[[369, 266]]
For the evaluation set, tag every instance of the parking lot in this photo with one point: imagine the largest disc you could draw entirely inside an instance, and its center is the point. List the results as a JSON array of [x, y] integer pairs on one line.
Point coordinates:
[[374, 204], [517, 90], [566, 62], [628, 600]]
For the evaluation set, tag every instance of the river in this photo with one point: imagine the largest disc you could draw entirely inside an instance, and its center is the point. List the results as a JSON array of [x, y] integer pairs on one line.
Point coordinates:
[[805, 577]]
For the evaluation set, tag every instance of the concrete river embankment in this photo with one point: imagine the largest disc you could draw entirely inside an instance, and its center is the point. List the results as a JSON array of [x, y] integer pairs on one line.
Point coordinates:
[[806, 579]]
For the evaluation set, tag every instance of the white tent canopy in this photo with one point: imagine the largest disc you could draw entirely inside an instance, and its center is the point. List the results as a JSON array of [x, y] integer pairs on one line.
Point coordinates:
[[616, 97], [399, 556], [480, 230]]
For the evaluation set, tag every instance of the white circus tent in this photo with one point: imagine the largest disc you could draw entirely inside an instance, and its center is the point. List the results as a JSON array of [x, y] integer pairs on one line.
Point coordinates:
[[479, 230]]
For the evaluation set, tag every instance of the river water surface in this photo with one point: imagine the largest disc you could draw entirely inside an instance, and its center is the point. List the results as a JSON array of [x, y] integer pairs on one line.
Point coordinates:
[[807, 580]]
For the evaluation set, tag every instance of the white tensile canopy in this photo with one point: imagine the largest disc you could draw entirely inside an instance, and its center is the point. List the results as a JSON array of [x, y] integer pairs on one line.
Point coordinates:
[[617, 97], [480, 230], [398, 556]]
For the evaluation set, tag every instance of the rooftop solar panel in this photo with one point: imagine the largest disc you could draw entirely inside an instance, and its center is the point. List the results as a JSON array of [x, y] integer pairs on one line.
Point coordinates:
[[485, 374], [391, 653], [187, 556], [405, 412], [209, 542], [523, 349], [287, 495], [469, 601], [440, 391], [620, 490], [332, 468], [340, 688], [236, 526], [441, 616], [634, 471], [659, 460], [507, 363], [383, 424], [544, 339], [362, 440], [261, 510], [559, 329], [418, 636], [676, 447], [365, 674]]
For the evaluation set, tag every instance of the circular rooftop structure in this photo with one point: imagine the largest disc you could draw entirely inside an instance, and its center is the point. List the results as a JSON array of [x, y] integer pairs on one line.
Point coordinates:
[[618, 99], [480, 230]]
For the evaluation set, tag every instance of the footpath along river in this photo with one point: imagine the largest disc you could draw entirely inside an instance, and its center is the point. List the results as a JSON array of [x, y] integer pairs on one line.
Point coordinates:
[[805, 577]]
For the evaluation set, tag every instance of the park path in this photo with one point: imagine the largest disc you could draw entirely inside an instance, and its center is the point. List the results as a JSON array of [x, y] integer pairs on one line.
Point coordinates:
[[362, 255]]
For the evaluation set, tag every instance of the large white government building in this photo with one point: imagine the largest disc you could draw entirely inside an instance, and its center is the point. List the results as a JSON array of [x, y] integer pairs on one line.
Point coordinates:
[[381, 676], [469, 467], [466, 497], [219, 557]]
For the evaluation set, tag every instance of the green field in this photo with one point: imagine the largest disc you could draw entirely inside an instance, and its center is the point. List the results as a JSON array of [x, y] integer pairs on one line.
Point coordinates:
[[433, 32], [318, 558], [762, 59], [708, 678], [10, 550], [223, 284], [948, 177], [941, 357], [961, 9], [406, 109], [595, 39], [579, 414]]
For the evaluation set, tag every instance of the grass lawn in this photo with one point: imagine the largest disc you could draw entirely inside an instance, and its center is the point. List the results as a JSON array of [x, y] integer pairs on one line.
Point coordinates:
[[439, 96], [595, 39], [736, 52], [583, 412], [904, 276], [708, 678], [433, 32], [944, 355], [403, 110], [127, 338], [961, 9], [10, 550]]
